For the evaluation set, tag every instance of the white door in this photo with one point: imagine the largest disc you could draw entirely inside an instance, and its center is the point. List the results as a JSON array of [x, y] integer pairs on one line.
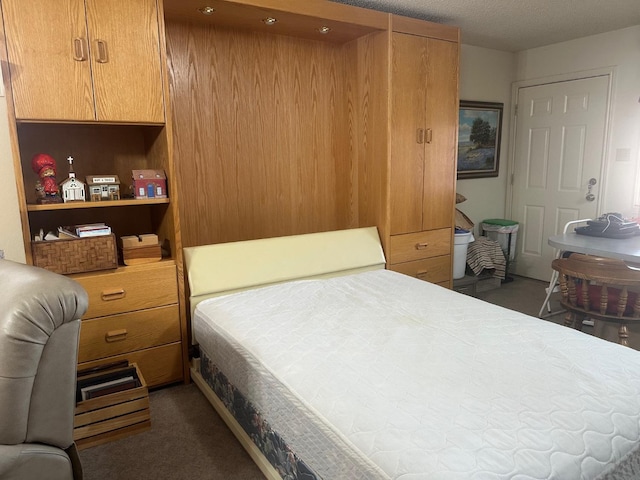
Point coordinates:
[[559, 151]]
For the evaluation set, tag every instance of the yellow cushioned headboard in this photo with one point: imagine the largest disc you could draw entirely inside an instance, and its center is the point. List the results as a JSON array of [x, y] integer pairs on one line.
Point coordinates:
[[223, 268]]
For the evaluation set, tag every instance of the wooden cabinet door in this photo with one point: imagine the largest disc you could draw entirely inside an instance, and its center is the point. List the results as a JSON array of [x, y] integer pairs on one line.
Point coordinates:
[[48, 59], [439, 176], [125, 59], [408, 121]]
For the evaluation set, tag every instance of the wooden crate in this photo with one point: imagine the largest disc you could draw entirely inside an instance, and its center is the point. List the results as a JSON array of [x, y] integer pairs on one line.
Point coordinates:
[[114, 416], [76, 255]]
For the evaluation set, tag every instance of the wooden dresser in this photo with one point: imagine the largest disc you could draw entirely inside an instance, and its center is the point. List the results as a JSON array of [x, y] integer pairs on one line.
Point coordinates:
[[133, 314]]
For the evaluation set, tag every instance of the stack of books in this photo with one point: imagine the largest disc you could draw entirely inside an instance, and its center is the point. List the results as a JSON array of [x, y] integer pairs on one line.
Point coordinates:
[[82, 231]]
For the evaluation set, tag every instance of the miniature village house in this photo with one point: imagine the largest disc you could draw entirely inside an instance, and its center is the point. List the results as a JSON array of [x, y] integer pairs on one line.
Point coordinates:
[[103, 187], [72, 188], [149, 184]]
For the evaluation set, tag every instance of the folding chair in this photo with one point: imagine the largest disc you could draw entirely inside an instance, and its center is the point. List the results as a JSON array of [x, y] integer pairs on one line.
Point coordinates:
[[553, 283]]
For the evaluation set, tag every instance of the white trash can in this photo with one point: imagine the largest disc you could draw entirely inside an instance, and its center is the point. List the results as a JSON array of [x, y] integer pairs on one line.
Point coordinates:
[[460, 245]]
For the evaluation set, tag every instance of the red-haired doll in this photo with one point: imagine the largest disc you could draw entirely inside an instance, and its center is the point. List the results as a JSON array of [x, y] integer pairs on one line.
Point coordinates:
[[47, 187]]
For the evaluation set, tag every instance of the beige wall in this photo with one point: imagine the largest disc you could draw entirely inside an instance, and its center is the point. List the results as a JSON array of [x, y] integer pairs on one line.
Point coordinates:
[[10, 229], [486, 75]]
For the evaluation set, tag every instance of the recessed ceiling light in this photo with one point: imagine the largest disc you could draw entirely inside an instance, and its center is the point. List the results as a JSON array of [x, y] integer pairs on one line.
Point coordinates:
[[324, 29], [206, 10], [269, 21]]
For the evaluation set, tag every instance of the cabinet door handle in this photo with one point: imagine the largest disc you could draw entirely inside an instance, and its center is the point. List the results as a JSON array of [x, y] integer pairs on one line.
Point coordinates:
[[420, 135], [421, 246], [116, 335], [429, 135], [113, 294], [103, 52], [79, 49]]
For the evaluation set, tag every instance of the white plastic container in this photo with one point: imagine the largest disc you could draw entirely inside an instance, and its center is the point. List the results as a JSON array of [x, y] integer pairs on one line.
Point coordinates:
[[460, 245]]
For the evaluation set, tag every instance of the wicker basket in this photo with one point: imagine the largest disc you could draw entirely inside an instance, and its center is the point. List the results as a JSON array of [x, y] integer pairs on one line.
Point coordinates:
[[76, 255]]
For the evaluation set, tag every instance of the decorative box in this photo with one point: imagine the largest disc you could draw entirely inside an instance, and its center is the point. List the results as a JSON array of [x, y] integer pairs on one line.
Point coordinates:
[[137, 249], [76, 255]]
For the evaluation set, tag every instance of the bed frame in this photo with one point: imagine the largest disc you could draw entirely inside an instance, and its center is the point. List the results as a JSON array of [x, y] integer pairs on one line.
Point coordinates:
[[220, 269]]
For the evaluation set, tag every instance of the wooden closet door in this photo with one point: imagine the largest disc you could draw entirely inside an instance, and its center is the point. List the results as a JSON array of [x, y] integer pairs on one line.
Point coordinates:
[[48, 59], [125, 58], [408, 116], [442, 119]]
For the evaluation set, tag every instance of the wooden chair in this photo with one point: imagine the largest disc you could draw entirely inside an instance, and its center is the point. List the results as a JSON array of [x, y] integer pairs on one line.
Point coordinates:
[[599, 288]]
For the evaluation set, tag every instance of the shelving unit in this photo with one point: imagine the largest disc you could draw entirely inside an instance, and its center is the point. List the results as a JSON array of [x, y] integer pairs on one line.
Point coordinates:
[[88, 79]]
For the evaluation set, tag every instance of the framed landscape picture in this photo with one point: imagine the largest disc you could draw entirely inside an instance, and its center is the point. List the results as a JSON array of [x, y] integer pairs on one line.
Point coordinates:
[[480, 125]]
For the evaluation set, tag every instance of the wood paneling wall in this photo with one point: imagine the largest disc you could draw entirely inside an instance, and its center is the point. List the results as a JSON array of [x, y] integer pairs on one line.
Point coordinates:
[[263, 140]]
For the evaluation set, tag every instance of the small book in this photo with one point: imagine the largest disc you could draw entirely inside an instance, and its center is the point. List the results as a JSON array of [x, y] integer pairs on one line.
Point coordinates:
[[86, 230]]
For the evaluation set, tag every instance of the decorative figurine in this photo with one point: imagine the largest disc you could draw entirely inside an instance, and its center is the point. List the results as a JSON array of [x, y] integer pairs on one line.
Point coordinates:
[[72, 188], [46, 188]]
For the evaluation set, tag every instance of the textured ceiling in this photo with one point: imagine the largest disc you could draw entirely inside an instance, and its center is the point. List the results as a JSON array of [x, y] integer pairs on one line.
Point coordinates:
[[514, 25]]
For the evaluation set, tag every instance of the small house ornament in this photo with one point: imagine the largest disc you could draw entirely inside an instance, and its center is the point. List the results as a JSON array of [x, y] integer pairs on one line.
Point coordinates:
[[103, 187], [72, 188], [149, 184]]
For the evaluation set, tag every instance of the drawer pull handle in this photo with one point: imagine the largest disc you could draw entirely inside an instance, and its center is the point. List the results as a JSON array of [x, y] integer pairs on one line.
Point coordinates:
[[421, 246], [116, 335], [113, 294], [422, 273]]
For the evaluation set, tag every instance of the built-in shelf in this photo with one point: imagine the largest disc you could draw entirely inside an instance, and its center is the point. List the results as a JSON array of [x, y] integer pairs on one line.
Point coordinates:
[[105, 203]]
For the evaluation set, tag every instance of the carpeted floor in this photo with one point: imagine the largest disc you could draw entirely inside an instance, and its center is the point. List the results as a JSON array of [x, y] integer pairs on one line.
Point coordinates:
[[188, 440]]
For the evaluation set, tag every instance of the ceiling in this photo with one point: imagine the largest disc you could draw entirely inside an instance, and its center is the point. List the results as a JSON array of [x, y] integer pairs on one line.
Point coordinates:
[[514, 25]]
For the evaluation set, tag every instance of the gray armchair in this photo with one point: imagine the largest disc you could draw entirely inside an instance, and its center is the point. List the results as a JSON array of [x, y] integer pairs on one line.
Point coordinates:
[[39, 327]]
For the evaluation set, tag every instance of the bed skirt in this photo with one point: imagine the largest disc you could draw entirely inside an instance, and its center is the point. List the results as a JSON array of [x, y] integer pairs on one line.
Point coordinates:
[[272, 446]]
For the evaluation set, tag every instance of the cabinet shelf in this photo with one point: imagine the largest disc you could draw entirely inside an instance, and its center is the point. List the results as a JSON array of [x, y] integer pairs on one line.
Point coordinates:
[[102, 204]]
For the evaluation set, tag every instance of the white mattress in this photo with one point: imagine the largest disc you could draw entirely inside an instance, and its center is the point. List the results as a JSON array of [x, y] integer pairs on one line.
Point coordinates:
[[379, 375]]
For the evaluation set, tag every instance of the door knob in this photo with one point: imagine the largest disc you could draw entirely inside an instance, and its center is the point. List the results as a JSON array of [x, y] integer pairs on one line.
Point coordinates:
[[590, 196]]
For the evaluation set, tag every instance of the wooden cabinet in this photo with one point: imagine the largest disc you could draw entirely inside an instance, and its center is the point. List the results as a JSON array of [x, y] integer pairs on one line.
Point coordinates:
[[85, 60], [424, 109], [88, 79], [407, 161]]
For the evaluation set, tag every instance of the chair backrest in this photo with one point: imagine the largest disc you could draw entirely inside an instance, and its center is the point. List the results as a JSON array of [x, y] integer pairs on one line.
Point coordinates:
[[603, 288], [39, 324]]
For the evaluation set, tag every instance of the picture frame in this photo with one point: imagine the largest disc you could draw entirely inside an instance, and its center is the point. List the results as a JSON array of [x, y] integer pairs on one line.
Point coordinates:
[[479, 134]]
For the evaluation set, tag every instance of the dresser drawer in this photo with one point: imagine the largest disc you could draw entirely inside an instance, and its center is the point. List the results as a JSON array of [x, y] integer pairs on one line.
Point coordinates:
[[434, 270], [414, 246], [130, 288], [159, 365], [126, 332]]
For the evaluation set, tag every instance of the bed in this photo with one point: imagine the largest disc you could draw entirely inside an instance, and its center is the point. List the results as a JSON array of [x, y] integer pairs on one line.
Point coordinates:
[[326, 365]]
